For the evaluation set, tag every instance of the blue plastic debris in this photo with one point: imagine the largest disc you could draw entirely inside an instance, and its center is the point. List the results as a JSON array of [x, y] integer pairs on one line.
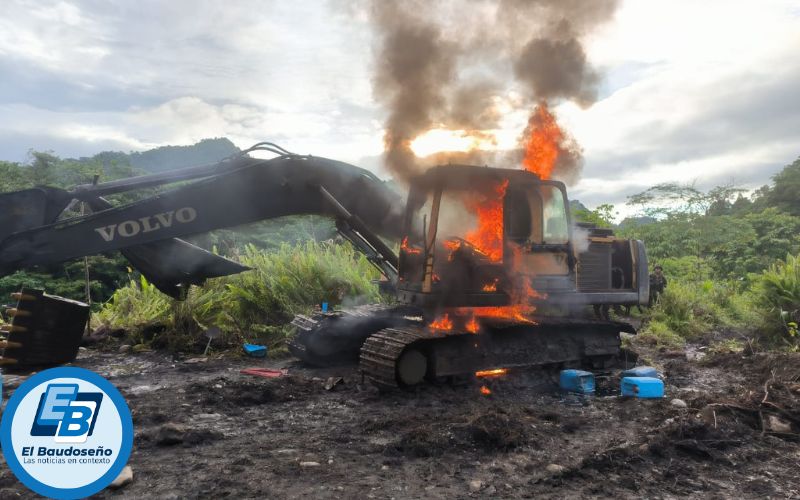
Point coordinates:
[[324, 307], [578, 381], [255, 350], [642, 387]]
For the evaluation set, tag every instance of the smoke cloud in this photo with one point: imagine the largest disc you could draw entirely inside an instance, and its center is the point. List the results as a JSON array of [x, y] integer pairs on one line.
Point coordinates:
[[557, 69], [453, 65], [414, 66]]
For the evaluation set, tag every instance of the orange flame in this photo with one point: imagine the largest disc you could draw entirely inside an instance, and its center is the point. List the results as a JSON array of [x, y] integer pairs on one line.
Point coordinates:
[[472, 325], [542, 146], [497, 372], [453, 246], [404, 247], [488, 236], [491, 287], [517, 312], [485, 390], [443, 323]]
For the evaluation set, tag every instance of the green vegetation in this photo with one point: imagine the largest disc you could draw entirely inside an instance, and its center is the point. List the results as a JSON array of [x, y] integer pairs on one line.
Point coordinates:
[[692, 309], [731, 261], [255, 306], [777, 292], [600, 216]]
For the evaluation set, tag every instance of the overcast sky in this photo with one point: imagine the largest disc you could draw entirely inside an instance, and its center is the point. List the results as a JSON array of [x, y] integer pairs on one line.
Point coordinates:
[[705, 92]]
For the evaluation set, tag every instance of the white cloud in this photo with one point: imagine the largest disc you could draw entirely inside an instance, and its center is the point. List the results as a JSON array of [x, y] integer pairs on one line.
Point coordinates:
[[699, 91], [704, 91]]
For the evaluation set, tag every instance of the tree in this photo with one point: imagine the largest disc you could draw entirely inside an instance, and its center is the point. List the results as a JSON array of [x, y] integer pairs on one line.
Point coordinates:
[[785, 192], [43, 170], [602, 216], [741, 206], [719, 199], [669, 198], [12, 177]]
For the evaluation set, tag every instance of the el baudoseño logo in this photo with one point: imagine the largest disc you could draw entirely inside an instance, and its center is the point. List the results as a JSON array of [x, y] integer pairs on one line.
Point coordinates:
[[66, 433]]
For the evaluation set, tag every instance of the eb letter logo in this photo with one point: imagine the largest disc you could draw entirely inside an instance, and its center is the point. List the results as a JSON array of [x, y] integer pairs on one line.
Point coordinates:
[[66, 414]]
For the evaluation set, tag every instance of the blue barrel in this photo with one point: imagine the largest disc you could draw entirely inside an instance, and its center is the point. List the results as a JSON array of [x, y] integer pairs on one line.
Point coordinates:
[[578, 381], [642, 387]]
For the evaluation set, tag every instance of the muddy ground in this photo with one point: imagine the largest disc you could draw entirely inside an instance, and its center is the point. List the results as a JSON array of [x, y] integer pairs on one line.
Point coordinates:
[[204, 430]]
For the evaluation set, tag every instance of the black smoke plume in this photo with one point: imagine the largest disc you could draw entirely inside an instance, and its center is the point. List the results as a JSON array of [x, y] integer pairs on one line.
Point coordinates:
[[428, 54]]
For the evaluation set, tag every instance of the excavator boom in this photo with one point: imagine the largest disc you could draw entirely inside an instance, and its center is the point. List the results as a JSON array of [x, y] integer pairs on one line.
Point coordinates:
[[229, 194], [235, 191]]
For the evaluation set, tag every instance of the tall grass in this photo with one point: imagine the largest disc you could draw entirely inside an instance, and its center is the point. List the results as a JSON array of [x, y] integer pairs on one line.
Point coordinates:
[[768, 311], [690, 309], [256, 305], [292, 280]]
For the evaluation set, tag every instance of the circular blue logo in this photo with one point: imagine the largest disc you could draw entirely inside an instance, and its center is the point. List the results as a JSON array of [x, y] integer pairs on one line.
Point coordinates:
[[66, 433]]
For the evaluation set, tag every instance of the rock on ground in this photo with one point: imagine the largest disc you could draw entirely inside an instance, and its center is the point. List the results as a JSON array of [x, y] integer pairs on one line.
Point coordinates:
[[170, 433], [124, 477]]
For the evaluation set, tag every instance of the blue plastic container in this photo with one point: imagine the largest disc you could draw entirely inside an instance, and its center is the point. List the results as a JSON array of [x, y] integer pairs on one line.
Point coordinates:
[[641, 371], [255, 351], [577, 381], [642, 387]]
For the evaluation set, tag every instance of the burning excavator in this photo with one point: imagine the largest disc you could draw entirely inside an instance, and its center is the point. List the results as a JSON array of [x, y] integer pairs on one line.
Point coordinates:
[[491, 271]]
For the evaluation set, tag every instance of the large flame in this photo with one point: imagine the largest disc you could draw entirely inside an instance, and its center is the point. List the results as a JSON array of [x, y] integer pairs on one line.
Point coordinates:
[[543, 145], [543, 142], [488, 236]]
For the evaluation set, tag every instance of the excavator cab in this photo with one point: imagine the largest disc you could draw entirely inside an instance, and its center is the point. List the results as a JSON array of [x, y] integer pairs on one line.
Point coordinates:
[[476, 237], [490, 237]]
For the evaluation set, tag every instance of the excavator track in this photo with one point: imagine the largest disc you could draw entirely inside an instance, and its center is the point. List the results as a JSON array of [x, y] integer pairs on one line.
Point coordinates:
[[381, 352], [403, 356], [334, 338]]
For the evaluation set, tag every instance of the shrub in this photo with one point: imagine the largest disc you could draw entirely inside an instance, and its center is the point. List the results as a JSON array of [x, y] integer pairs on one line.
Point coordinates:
[[727, 346], [777, 292], [659, 333], [690, 309], [135, 307]]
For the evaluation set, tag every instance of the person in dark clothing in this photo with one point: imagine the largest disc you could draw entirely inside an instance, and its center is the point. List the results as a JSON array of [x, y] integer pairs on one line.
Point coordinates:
[[658, 282]]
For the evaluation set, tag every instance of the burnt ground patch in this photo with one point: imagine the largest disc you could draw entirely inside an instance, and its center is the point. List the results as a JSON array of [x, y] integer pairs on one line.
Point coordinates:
[[205, 430]]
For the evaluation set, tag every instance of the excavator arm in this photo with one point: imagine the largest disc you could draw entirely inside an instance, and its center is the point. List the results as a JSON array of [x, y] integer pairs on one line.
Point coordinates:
[[236, 191], [232, 193]]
